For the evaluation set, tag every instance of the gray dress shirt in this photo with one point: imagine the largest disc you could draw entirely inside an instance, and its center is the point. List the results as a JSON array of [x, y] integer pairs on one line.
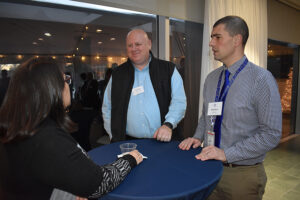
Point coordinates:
[[252, 118]]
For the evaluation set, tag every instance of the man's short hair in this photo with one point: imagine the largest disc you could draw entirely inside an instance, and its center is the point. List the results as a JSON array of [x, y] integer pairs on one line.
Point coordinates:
[[235, 25]]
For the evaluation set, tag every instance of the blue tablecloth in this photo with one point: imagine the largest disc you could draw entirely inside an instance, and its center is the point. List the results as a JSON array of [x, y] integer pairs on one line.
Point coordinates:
[[168, 173]]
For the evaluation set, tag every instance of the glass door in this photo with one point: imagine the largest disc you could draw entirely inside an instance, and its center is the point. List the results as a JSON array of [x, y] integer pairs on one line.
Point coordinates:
[[283, 62]]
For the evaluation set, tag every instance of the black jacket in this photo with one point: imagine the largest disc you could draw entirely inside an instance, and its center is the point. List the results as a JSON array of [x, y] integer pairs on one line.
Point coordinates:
[[122, 82]]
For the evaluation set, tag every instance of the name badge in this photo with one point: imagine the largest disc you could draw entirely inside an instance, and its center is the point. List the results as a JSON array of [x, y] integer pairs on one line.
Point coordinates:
[[137, 90], [214, 109]]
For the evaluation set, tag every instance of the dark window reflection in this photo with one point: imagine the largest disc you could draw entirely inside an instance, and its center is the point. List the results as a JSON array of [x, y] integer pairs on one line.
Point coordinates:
[[185, 52], [282, 62]]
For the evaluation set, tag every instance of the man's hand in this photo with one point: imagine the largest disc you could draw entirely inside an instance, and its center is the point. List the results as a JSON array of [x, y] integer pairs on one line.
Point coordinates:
[[188, 142], [211, 152], [163, 134]]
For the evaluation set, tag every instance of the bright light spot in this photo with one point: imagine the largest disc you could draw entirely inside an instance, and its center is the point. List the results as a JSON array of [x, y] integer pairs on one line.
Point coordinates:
[[48, 34]]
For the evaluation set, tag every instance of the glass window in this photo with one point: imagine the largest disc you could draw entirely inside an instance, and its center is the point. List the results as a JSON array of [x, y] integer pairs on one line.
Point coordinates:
[[87, 40], [186, 52], [282, 63]]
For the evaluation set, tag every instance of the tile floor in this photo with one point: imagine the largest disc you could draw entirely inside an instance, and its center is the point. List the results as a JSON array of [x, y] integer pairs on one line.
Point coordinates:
[[282, 166]]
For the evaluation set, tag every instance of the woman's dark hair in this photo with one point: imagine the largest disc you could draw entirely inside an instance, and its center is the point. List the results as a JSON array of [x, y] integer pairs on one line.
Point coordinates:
[[34, 94]]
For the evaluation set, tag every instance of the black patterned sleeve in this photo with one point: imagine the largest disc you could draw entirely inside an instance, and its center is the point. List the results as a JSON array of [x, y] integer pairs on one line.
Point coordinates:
[[114, 174]]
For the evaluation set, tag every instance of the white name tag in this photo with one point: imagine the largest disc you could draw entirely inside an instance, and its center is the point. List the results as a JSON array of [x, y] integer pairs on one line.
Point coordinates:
[[137, 90], [214, 109]]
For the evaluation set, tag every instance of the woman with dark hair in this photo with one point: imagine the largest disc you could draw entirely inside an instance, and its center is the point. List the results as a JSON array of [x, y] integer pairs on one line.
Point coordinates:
[[38, 154]]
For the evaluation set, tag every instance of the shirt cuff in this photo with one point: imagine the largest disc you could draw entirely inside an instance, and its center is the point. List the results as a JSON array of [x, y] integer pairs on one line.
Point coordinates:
[[130, 159], [168, 124], [172, 121]]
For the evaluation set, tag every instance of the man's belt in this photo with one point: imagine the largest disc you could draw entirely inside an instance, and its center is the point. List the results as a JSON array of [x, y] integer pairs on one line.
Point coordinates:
[[231, 165]]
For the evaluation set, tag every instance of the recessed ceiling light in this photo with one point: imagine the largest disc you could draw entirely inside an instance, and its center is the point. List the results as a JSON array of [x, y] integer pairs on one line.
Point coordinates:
[[48, 34], [99, 42], [35, 43], [98, 30], [112, 38], [40, 39]]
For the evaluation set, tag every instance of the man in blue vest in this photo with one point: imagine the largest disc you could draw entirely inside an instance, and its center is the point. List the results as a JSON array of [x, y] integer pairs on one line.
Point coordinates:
[[244, 115], [145, 96]]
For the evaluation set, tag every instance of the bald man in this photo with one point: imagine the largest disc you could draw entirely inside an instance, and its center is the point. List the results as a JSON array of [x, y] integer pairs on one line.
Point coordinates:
[[145, 96]]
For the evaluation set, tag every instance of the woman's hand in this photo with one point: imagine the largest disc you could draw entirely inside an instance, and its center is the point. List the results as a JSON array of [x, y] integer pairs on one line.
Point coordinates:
[[81, 198], [137, 155]]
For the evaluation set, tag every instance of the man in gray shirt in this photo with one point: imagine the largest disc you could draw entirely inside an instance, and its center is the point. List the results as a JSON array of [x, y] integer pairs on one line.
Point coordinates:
[[251, 118]]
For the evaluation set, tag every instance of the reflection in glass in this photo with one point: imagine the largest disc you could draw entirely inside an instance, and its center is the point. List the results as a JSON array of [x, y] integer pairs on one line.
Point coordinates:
[[281, 64], [185, 52], [89, 40]]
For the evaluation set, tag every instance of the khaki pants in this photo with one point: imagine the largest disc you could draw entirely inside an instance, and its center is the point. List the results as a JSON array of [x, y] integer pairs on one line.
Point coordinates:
[[241, 183]]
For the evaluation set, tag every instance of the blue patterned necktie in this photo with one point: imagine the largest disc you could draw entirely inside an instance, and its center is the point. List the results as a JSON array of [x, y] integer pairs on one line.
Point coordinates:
[[218, 122]]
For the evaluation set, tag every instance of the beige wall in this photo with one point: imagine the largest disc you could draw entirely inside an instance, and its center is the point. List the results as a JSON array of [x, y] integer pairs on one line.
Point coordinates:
[[191, 10], [283, 22]]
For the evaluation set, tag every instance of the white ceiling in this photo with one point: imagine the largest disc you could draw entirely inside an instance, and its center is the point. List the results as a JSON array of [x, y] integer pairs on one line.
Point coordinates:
[[22, 25]]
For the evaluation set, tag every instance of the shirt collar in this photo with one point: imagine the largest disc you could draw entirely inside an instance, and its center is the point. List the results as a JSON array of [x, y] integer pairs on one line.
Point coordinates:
[[233, 68], [146, 67]]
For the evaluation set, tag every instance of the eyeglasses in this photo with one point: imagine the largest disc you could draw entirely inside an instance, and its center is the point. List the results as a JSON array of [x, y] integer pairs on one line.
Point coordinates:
[[68, 79]]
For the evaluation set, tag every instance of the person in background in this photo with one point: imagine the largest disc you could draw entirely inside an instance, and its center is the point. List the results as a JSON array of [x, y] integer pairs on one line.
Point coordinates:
[[37, 152], [89, 92], [250, 120], [145, 97], [4, 81], [103, 83]]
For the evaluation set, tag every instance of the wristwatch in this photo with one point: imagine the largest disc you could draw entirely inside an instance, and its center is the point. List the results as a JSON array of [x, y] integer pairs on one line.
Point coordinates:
[[168, 124]]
